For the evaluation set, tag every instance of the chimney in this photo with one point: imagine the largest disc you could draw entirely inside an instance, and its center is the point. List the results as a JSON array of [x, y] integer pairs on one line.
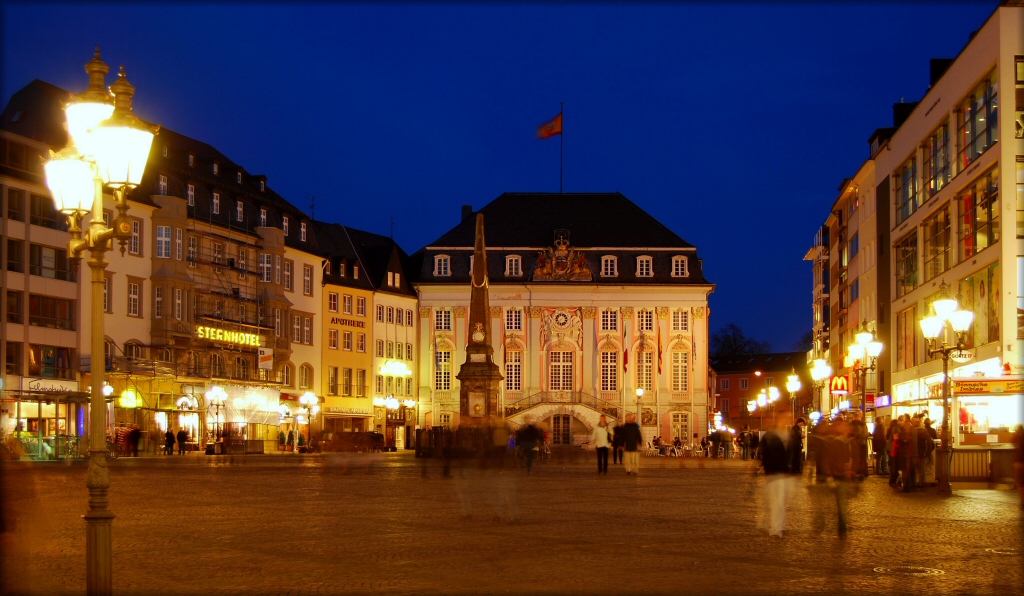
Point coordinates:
[[467, 212], [901, 111], [939, 66]]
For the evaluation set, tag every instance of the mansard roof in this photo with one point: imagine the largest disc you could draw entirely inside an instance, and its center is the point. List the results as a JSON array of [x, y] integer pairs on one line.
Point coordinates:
[[593, 219], [598, 225]]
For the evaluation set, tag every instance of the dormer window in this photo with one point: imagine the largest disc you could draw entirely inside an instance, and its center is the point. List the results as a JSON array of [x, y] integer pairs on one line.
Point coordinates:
[[644, 267], [341, 268], [239, 210], [239, 177], [513, 266], [191, 160], [284, 224], [263, 185], [442, 266], [302, 231], [191, 195], [327, 267], [679, 267], [391, 279], [162, 185], [216, 203], [355, 271], [263, 217], [216, 168], [609, 266], [165, 150]]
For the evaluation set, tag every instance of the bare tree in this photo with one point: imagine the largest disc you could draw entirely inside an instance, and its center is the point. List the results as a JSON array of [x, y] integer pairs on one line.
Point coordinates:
[[731, 341]]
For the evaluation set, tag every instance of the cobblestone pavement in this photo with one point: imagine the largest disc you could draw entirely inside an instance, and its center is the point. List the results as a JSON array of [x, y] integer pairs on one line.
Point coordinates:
[[332, 524]]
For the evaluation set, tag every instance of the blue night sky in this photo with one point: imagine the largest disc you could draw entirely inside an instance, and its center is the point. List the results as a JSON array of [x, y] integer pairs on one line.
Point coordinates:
[[733, 124]]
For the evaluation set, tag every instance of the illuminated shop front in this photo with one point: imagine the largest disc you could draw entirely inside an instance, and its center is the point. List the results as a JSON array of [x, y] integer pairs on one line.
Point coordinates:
[[49, 417], [986, 404], [242, 419]]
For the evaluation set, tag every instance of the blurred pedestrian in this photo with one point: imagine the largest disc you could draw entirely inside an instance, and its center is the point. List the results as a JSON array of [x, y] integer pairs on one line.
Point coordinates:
[[134, 435], [878, 447], [601, 443], [776, 456], [744, 441], [838, 448], [796, 435], [182, 439], [169, 442], [529, 437], [617, 446], [716, 441], [631, 439], [704, 446], [859, 446]]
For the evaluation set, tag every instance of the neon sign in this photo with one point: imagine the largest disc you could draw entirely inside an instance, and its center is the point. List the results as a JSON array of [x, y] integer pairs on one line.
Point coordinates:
[[234, 337]]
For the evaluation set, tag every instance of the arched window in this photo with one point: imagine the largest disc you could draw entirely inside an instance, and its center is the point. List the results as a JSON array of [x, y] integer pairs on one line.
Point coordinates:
[[680, 371], [168, 355], [241, 368], [193, 364], [286, 375], [305, 376], [645, 370], [132, 350]]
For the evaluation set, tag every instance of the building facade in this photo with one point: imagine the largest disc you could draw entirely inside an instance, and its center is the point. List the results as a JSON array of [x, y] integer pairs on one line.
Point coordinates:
[[585, 309], [740, 379]]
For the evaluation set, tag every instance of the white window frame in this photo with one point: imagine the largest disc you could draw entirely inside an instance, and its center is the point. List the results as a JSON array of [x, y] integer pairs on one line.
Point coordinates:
[[681, 319], [442, 320], [307, 331], [514, 266], [178, 304], [239, 210], [610, 320], [162, 185], [680, 267], [361, 342], [332, 301], [284, 224], [332, 339], [645, 320], [134, 295], [443, 371], [191, 195], [514, 370], [379, 313], [442, 266], [609, 266], [723, 384], [302, 231], [561, 371], [361, 306], [179, 235], [513, 319], [644, 266], [135, 244], [307, 280], [680, 371], [609, 371], [288, 284], [158, 302], [263, 217], [216, 203], [346, 341], [163, 242]]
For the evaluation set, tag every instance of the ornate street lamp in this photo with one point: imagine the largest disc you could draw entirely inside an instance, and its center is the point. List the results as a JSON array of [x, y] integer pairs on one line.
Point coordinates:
[[792, 386], [311, 403], [107, 148], [216, 396], [862, 355], [820, 374], [639, 405], [947, 310]]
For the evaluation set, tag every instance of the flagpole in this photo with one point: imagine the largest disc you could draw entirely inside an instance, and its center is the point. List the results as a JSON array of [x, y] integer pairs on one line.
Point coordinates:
[[561, 151]]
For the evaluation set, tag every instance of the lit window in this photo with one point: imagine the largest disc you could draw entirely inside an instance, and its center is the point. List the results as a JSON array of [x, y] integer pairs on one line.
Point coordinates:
[[443, 371], [191, 159], [609, 371], [239, 178], [380, 313], [514, 371], [680, 371], [332, 339], [361, 306]]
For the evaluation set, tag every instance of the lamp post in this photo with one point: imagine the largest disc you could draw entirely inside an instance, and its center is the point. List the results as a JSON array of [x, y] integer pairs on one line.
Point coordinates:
[[216, 395], [947, 310], [862, 355], [310, 403], [107, 148], [639, 404], [820, 373], [792, 386]]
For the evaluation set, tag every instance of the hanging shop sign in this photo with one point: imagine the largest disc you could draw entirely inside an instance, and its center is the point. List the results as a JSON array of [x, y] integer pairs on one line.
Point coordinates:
[[266, 359], [988, 386], [233, 337], [961, 355], [839, 385]]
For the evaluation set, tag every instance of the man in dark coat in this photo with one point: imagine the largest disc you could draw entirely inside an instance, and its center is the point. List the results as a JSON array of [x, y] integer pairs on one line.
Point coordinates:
[[777, 454], [631, 439], [529, 438], [182, 439], [169, 442], [134, 435], [796, 452]]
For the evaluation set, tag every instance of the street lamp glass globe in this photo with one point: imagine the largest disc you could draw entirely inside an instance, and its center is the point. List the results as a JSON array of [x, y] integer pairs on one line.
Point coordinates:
[[864, 337], [639, 392], [762, 400], [83, 117], [855, 351], [944, 306], [773, 393], [931, 327], [873, 348], [961, 320], [793, 384], [71, 181]]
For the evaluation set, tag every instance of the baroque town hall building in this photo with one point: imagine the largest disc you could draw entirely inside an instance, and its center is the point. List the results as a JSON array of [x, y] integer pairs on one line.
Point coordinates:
[[591, 299]]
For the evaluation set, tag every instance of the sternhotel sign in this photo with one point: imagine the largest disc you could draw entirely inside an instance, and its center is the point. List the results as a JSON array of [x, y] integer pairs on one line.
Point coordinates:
[[233, 337]]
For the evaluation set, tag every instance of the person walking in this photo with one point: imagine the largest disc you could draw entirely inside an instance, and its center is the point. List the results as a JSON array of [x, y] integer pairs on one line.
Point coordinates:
[[529, 437], [617, 446], [776, 456], [134, 435], [859, 445], [601, 442], [838, 448], [169, 442], [182, 439], [744, 441], [796, 453], [631, 439], [878, 447]]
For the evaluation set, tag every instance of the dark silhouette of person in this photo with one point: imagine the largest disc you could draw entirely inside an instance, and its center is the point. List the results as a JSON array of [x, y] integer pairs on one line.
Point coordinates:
[[182, 439]]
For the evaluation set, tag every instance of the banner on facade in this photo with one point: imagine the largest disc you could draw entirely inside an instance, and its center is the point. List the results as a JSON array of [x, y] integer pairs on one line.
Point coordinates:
[[266, 359]]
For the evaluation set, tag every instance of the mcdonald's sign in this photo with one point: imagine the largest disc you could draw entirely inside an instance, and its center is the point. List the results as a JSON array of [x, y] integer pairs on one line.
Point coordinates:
[[839, 385]]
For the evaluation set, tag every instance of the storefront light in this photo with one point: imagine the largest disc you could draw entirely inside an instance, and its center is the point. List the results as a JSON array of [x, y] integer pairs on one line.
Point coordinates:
[[395, 368], [409, 403], [129, 399]]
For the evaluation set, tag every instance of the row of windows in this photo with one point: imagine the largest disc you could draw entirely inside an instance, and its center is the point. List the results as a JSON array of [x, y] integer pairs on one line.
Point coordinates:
[[927, 248], [724, 384], [349, 341], [393, 385], [346, 382], [392, 349], [394, 315], [562, 371], [609, 320], [48, 362], [41, 210], [346, 304], [976, 119], [609, 266], [43, 261]]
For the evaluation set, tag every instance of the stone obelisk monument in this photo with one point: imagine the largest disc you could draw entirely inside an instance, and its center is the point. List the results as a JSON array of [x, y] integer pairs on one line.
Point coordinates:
[[479, 376]]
